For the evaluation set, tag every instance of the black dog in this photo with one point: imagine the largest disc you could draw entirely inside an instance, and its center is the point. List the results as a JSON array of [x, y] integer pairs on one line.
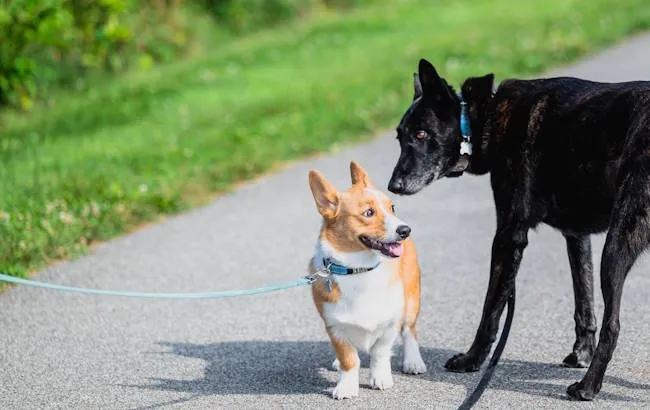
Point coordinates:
[[570, 153]]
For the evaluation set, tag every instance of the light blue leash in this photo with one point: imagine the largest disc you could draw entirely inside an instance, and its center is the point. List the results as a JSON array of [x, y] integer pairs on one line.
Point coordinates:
[[308, 280]]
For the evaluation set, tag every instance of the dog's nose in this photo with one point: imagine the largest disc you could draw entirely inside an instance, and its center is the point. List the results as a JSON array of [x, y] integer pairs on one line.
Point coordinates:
[[396, 186], [403, 231]]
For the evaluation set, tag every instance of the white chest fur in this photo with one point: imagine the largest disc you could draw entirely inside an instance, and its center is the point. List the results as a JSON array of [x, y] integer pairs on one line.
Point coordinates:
[[371, 304]]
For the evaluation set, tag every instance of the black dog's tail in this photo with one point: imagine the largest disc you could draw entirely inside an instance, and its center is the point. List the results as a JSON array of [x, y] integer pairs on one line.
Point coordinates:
[[489, 370]]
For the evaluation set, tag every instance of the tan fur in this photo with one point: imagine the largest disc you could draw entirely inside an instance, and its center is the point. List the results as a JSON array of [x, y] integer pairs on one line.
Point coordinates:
[[359, 176], [320, 291], [345, 353], [410, 275]]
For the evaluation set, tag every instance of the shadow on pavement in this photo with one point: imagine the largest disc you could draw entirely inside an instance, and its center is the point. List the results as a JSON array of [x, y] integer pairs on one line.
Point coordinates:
[[301, 367]]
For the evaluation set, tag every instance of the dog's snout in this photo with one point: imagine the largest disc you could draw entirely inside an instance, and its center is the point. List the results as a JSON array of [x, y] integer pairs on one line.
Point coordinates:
[[396, 185], [403, 231]]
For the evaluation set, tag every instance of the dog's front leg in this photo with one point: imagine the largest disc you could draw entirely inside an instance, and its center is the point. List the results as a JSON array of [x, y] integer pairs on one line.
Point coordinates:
[[348, 363], [507, 249], [579, 250], [381, 376]]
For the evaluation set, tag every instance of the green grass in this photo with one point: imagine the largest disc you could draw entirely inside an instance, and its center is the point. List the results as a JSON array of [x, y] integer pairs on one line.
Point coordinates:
[[97, 163]]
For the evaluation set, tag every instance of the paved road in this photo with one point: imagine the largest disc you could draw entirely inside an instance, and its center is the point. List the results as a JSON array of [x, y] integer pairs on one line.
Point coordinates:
[[70, 351]]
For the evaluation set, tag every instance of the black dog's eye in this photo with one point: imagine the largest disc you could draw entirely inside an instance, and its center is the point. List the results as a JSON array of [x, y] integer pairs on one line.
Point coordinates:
[[420, 134], [369, 212]]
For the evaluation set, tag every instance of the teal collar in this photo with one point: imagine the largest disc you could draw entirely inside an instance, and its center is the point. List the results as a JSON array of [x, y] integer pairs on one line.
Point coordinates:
[[465, 128], [336, 269], [333, 268]]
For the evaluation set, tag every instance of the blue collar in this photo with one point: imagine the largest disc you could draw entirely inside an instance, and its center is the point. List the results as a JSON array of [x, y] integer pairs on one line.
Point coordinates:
[[465, 128], [336, 269]]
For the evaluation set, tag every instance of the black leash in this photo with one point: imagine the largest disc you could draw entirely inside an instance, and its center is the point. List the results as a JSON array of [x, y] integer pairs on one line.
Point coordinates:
[[489, 370]]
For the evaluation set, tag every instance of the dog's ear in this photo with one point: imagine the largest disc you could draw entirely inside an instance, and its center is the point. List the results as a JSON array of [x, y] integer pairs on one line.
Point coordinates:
[[488, 82], [428, 76], [479, 85], [432, 85], [326, 196], [479, 89], [360, 176], [417, 87]]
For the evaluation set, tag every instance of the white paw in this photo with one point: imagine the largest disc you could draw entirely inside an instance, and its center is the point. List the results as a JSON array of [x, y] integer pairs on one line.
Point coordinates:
[[336, 365], [348, 385], [381, 377], [413, 364]]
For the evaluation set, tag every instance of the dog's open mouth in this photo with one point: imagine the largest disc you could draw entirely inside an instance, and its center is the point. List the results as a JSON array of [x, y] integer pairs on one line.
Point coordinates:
[[391, 249]]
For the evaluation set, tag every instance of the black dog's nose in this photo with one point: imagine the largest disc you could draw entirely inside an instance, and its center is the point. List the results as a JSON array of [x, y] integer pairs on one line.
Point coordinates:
[[403, 231], [396, 186]]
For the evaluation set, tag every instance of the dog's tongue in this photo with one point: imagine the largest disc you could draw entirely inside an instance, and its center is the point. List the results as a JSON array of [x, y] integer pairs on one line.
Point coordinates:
[[394, 249]]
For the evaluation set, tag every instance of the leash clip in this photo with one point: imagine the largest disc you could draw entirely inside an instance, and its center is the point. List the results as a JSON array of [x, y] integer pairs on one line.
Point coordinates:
[[318, 274], [322, 273]]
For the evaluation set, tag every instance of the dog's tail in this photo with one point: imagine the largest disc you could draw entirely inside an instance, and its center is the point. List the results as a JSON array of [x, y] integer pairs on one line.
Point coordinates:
[[487, 375]]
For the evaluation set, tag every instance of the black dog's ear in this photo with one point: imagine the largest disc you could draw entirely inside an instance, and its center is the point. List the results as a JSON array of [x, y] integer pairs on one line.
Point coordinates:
[[417, 87], [485, 84], [428, 75], [479, 88], [431, 83]]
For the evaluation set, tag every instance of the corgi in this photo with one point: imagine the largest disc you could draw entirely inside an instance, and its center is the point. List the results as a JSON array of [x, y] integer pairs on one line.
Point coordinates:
[[367, 289]]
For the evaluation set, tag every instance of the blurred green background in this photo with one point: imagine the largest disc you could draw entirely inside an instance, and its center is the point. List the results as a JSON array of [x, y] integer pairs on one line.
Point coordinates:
[[115, 112]]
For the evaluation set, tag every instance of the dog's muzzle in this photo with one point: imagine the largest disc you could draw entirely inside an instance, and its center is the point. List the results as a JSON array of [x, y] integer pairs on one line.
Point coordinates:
[[396, 185]]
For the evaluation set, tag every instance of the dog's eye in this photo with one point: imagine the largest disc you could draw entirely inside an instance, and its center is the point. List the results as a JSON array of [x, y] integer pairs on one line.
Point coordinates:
[[369, 212], [420, 134], [392, 208]]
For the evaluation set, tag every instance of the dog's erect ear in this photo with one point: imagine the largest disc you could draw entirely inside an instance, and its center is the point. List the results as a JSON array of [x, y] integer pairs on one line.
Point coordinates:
[[417, 87], [479, 85], [360, 176], [488, 82], [478, 89], [325, 195], [432, 85], [429, 77]]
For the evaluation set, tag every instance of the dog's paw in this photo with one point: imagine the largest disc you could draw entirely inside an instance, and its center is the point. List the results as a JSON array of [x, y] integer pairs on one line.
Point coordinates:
[[348, 385], [414, 365], [577, 392], [462, 363], [336, 365], [577, 360], [345, 391], [381, 382], [381, 377]]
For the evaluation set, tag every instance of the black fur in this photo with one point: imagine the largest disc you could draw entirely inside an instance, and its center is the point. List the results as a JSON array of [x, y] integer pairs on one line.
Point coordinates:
[[570, 153]]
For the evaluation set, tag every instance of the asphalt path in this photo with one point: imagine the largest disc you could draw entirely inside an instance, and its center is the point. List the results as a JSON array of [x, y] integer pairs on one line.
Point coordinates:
[[61, 350]]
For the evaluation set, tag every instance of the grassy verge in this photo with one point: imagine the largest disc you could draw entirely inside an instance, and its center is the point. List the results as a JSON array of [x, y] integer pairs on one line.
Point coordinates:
[[96, 163]]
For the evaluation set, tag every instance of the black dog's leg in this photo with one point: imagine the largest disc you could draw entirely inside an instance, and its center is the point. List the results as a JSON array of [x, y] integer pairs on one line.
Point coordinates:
[[507, 249], [579, 250], [627, 237]]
